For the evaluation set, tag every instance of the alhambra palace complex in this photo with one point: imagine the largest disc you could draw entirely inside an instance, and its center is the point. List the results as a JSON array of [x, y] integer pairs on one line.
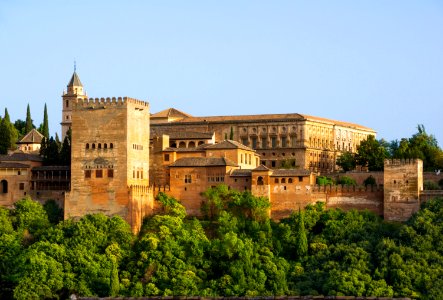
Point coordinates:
[[122, 157]]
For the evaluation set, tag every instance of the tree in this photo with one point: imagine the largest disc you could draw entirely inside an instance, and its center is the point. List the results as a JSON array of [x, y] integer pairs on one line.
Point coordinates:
[[231, 134], [29, 126], [346, 161], [301, 243], [8, 134], [372, 154], [65, 152], [45, 126]]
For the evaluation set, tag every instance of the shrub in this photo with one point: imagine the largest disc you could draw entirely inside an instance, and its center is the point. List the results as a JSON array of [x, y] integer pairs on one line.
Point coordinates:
[[430, 185], [346, 180], [369, 181], [323, 180]]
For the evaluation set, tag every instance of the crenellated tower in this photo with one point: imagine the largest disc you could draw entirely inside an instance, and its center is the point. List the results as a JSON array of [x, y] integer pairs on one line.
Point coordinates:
[[74, 91]]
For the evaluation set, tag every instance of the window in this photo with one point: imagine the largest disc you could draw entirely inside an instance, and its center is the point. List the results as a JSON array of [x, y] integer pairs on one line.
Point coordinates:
[[244, 141], [300, 178], [110, 173], [250, 161], [93, 146], [283, 141], [166, 157], [273, 142], [260, 180], [99, 145], [105, 146], [87, 146], [273, 163], [67, 103], [98, 173], [283, 180], [111, 145], [188, 179], [276, 180], [21, 186], [254, 143], [263, 143], [290, 180], [87, 173], [241, 158]]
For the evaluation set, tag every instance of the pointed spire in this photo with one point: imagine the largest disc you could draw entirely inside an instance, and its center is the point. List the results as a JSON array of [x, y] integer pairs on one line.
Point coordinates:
[[75, 80]]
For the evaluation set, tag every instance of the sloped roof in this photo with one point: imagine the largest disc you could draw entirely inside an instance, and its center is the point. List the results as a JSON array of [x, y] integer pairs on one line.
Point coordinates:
[[4, 165], [170, 113], [340, 123], [203, 162], [241, 173], [261, 168], [183, 135], [229, 144], [21, 157], [290, 172], [32, 137], [75, 80]]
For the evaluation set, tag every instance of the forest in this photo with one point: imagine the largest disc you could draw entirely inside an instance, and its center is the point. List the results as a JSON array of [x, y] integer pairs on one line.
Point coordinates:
[[234, 249]]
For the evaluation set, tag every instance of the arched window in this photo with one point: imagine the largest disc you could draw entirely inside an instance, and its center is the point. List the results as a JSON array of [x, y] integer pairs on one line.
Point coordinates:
[[283, 180], [87, 145], [290, 180], [182, 145], [111, 145], [4, 186], [200, 143], [260, 180], [93, 146], [276, 180], [67, 103], [105, 146], [191, 145], [99, 145]]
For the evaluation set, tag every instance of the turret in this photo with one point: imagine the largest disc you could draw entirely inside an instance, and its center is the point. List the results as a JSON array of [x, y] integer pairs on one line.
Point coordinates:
[[74, 91]]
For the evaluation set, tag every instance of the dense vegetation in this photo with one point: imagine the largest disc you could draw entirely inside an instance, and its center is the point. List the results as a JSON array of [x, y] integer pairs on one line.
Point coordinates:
[[235, 250], [371, 152]]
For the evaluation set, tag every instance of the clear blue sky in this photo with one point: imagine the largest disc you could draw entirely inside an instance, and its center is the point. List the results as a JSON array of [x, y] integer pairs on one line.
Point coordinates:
[[376, 63]]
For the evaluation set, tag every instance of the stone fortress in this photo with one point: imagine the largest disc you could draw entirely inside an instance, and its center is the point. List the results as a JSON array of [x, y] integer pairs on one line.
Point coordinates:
[[123, 156]]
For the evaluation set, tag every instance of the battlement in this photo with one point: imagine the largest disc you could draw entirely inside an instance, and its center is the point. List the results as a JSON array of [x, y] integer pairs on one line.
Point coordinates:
[[401, 162], [107, 102]]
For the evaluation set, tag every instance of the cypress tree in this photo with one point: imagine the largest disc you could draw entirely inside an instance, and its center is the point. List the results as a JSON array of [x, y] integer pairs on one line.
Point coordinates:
[[231, 135], [45, 126], [301, 246], [8, 134], [65, 153], [28, 126]]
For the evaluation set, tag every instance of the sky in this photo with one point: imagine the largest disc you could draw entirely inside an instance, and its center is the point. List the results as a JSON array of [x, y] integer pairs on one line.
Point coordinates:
[[374, 63]]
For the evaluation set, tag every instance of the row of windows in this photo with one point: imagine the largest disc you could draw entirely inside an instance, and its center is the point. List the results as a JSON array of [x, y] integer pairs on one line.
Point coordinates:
[[247, 156], [137, 174], [190, 144], [99, 146], [273, 129], [99, 173], [282, 154], [283, 142], [137, 147]]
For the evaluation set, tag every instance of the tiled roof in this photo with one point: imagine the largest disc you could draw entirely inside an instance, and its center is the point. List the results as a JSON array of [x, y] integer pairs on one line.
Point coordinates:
[[170, 113], [51, 168], [32, 137], [290, 172], [4, 165], [241, 173], [75, 80], [262, 168], [183, 135], [268, 118], [173, 149], [203, 162], [228, 144], [21, 157]]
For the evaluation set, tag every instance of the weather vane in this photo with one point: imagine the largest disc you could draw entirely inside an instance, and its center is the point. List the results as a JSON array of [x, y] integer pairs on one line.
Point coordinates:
[[75, 66]]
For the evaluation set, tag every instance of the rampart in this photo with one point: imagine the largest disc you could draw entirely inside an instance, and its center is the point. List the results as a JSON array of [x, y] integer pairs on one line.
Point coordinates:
[[105, 102]]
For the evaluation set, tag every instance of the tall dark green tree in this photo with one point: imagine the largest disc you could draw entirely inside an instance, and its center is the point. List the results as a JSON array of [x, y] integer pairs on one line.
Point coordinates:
[[8, 134], [301, 243], [29, 126], [65, 152], [45, 125], [231, 134]]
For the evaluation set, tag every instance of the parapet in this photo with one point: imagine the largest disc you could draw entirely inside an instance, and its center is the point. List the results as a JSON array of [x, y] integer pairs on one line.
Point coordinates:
[[107, 102], [401, 162]]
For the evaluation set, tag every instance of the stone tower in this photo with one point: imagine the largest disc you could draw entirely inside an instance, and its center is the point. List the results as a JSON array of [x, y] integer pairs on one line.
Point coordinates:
[[110, 159], [74, 91], [403, 182]]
